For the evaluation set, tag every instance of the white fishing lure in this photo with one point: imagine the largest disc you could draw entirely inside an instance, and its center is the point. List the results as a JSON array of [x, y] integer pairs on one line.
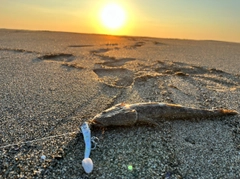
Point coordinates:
[[87, 162]]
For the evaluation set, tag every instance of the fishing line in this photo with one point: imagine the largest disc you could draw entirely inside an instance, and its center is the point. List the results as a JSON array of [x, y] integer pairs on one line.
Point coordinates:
[[36, 140]]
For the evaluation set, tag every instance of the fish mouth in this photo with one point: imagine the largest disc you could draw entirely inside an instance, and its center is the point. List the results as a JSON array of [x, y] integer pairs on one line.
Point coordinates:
[[96, 123]]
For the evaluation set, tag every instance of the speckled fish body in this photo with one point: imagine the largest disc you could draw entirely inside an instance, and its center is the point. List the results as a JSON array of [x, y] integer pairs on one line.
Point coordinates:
[[150, 113]]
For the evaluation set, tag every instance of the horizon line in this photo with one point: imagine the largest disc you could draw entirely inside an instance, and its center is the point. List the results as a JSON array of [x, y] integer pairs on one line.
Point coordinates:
[[138, 36]]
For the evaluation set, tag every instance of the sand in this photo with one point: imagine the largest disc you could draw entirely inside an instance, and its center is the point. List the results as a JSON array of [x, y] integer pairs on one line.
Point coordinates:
[[51, 82]]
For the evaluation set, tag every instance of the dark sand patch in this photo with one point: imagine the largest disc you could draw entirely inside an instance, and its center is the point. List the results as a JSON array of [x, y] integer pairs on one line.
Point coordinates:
[[62, 57], [101, 50], [111, 44], [79, 46], [17, 50], [72, 65], [136, 45], [139, 44], [105, 57], [158, 43]]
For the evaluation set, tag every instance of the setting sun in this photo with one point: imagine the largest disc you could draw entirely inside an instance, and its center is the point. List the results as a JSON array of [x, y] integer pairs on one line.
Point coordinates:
[[113, 16]]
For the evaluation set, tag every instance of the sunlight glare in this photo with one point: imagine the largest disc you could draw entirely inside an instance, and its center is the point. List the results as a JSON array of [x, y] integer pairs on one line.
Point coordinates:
[[113, 16]]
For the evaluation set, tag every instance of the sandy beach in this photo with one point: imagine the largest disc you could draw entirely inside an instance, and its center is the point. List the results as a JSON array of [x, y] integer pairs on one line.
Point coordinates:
[[51, 82]]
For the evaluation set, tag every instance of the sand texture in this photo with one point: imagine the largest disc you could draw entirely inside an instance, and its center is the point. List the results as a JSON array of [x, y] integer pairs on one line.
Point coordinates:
[[51, 82]]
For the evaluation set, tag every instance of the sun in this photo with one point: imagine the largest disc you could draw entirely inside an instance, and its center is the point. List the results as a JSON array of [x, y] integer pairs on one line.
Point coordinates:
[[113, 16]]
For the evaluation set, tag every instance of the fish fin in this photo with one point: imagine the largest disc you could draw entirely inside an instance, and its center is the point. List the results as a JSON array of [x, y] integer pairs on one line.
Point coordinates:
[[147, 121]]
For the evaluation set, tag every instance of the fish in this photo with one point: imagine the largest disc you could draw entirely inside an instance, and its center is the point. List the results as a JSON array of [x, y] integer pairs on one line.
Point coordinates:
[[151, 113]]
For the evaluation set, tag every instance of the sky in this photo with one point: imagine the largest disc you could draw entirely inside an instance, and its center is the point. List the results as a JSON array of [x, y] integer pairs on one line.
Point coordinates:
[[184, 19]]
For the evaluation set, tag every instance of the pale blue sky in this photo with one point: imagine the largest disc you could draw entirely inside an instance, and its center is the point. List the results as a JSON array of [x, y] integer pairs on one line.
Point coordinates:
[[188, 19]]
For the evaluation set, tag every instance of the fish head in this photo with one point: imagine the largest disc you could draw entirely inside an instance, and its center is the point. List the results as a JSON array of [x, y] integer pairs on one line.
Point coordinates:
[[118, 115]]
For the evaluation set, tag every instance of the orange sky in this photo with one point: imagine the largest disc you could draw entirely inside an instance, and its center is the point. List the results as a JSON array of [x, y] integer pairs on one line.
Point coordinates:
[[185, 19]]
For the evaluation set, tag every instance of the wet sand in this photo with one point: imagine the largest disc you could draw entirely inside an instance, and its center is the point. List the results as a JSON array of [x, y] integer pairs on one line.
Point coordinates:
[[51, 82]]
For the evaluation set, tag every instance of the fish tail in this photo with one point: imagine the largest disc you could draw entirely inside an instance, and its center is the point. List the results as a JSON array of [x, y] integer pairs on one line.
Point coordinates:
[[228, 112], [178, 112]]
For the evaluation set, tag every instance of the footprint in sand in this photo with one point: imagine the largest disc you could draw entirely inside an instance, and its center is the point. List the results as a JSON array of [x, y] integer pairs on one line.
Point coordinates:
[[79, 46], [59, 57], [139, 44], [136, 45], [71, 66], [178, 68], [17, 50], [63, 58], [117, 62], [188, 82], [115, 77], [101, 50], [111, 44], [114, 62], [158, 43], [184, 70], [108, 74], [175, 81]]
